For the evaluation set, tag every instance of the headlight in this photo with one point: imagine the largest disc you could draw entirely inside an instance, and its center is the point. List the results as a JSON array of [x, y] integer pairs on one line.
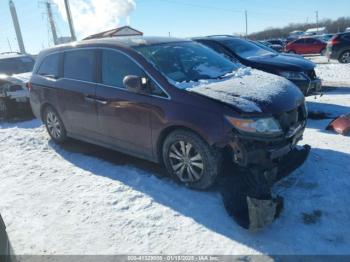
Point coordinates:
[[262, 126], [293, 75]]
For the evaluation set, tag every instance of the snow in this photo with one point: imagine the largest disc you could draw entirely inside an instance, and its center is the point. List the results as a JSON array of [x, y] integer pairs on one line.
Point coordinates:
[[81, 199], [331, 74], [242, 88]]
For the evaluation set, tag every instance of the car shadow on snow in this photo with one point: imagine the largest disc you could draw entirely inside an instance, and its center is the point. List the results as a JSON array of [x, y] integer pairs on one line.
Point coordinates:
[[23, 123], [207, 208]]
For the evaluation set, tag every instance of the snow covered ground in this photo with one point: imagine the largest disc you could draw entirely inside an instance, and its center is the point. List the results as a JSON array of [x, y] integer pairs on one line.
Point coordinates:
[[81, 199]]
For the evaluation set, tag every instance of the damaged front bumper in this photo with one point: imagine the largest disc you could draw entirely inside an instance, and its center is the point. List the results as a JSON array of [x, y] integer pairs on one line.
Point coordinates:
[[248, 151]]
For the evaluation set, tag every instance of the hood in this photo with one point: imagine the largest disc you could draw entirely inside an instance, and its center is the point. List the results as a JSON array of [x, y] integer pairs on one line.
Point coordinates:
[[283, 62], [250, 91]]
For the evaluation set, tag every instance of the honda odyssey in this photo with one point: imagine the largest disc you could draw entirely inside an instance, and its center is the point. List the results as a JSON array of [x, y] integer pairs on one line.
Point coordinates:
[[167, 100]]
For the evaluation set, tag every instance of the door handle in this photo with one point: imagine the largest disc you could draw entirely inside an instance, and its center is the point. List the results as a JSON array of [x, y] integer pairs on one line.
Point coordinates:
[[102, 102], [90, 99], [95, 100]]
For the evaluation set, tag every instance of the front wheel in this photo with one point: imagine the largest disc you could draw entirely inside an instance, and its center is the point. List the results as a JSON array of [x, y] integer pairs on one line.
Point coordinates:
[[190, 160], [54, 125], [345, 57]]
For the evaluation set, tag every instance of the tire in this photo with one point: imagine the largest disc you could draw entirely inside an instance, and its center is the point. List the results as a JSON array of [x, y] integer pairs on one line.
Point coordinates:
[[291, 52], [190, 160], [344, 58], [4, 110], [323, 52], [54, 125]]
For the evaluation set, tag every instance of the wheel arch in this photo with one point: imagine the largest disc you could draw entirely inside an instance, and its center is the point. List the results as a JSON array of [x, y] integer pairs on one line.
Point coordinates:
[[42, 109]]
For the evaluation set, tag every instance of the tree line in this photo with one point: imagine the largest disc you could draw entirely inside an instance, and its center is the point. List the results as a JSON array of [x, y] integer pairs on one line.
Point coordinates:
[[332, 26]]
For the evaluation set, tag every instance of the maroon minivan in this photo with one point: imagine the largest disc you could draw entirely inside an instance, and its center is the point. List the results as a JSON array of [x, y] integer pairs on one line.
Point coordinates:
[[170, 101]]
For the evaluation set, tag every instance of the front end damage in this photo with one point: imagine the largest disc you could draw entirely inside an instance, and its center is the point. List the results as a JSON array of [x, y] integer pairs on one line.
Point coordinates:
[[265, 153], [262, 161]]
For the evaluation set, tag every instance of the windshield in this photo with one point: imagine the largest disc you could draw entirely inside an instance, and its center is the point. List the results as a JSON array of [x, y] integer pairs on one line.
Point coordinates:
[[187, 61], [18, 65], [246, 49]]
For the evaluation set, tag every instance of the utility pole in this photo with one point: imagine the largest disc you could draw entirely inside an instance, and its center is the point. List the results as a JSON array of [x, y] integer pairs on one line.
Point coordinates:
[[17, 27], [70, 20], [52, 23], [246, 23], [317, 21]]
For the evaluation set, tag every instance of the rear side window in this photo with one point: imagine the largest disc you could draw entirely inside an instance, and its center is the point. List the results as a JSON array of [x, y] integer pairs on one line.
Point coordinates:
[[79, 65], [300, 41], [50, 66], [116, 66]]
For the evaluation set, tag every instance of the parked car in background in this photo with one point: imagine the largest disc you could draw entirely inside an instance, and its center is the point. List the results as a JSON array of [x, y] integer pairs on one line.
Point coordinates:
[[325, 37], [277, 48], [15, 72], [295, 68], [296, 34], [276, 42], [14, 94], [339, 48], [307, 45], [144, 96], [15, 63]]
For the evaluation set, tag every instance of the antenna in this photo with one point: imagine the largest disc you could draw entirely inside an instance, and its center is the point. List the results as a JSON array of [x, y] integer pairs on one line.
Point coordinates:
[[246, 23]]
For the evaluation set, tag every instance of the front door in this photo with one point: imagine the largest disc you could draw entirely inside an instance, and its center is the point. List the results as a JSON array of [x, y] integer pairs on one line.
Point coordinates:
[[124, 117]]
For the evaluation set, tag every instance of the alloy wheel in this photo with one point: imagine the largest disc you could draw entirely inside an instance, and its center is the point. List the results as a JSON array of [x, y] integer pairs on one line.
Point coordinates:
[[53, 125], [345, 58], [186, 162]]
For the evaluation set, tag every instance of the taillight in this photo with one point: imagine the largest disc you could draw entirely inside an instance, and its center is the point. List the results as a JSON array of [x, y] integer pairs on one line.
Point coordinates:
[[334, 41], [29, 86]]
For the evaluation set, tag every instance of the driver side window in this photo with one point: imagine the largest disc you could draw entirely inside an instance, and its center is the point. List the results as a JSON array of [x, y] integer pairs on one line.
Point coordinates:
[[116, 66]]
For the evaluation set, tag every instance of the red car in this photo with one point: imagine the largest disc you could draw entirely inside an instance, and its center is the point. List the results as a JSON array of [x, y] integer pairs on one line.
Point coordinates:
[[307, 46]]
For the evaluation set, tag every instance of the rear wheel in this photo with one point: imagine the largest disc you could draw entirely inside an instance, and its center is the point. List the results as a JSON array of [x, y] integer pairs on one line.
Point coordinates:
[[54, 125], [190, 160], [345, 57], [4, 110]]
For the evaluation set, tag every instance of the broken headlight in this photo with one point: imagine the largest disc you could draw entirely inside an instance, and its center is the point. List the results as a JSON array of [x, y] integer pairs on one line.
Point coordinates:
[[258, 126]]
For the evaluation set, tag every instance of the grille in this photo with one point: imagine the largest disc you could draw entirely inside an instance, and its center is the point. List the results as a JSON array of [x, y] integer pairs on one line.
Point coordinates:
[[292, 118], [312, 74]]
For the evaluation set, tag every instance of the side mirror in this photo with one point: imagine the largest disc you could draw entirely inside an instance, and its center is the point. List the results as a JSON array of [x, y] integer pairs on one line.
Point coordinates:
[[136, 84]]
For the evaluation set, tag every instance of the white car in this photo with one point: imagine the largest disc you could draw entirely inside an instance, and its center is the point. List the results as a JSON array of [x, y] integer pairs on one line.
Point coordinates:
[[14, 94], [15, 72]]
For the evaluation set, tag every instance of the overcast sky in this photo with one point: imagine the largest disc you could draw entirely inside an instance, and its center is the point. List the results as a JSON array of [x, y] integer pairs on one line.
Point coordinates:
[[180, 18]]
